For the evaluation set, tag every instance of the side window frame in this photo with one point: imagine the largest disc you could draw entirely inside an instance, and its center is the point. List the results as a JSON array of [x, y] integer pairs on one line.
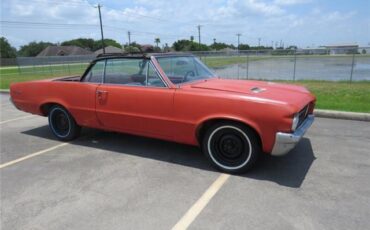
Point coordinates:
[[150, 63], [86, 77], [146, 75]]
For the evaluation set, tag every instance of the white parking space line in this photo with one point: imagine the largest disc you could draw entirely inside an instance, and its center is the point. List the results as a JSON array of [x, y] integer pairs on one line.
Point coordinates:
[[32, 155], [16, 119], [201, 203]]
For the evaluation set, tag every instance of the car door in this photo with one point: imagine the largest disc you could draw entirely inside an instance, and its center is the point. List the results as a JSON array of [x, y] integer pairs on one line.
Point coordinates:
[[134, 99], [81, 95]]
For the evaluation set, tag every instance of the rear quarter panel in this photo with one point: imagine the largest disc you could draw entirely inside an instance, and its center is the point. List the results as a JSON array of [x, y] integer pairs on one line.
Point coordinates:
[[77, 97]]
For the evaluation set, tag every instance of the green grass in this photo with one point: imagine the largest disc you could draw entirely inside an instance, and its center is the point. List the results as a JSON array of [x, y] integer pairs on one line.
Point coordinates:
[[10, 75], [342, 96]]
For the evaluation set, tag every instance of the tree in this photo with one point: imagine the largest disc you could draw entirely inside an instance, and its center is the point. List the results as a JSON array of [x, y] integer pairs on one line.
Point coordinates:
[[107, 42], [244, 47], [86, 43], [157, 41], [363, 51], [133, 47], [33, 48], [6, 50], [166, 48], [187, 45], [292, 47], [192, 38], [91, 44], [219, 46]]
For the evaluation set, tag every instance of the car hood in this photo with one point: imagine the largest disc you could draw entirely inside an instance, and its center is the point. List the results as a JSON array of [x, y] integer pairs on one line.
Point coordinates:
[[295, 95]]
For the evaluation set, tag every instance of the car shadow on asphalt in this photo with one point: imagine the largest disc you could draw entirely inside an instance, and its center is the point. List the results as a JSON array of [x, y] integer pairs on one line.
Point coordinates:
[[289, 170]]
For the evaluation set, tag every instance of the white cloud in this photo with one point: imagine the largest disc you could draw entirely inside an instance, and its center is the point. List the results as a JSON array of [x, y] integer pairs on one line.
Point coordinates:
[[290, 2], [249, 7], [23, 10], [263, 8], [271, 20], [338, 16]]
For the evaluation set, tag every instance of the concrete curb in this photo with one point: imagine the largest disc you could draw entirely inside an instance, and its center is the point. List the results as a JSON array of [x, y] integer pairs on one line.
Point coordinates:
[[318, 113], [342, 115]]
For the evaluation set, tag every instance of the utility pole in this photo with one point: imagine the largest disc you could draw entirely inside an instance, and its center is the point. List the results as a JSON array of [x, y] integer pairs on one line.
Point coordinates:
[[199, 35], [259, 42], [238, 40], [129, 38], [101, 28]]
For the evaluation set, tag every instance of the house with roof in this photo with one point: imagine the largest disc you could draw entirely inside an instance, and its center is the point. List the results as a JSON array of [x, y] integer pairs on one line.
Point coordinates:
[[55, 50], [109, 49]]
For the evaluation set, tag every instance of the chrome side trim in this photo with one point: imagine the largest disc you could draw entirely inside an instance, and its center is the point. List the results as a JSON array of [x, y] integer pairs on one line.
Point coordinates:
[[284, 142]]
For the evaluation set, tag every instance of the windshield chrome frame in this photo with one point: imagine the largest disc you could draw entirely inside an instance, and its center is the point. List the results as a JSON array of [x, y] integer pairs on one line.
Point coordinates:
[[166, 78]]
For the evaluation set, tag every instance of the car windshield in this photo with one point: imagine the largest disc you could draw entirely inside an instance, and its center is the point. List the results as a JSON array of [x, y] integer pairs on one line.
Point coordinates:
[[181, 69]]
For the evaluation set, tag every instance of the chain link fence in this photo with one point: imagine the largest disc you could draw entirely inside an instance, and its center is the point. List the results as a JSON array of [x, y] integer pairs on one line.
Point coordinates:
[[308, 64], [301, 64]]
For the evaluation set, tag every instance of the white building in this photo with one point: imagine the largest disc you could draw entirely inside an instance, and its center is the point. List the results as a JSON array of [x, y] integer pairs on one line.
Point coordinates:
[[342, 49]]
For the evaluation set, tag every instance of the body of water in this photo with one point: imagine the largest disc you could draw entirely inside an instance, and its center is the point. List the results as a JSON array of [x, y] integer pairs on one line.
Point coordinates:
[[306, 68]]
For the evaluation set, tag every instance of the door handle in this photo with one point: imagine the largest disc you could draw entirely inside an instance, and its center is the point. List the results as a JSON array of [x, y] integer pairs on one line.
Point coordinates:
[[101, 95], [99, 92]]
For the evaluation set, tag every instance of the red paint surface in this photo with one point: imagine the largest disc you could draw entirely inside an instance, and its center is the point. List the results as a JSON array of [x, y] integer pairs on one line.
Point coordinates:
[[173, 113]]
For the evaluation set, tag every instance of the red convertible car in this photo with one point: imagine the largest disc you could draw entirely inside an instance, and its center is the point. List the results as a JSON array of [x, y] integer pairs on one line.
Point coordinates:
[[174, 97]]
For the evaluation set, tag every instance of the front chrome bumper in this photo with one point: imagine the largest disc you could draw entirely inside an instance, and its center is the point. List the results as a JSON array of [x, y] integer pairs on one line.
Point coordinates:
[[284, 142]]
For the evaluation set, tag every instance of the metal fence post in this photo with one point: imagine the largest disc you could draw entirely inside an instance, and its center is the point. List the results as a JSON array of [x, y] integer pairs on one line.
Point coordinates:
[[50, 68], [295, 63], [19, 67], [69, 70], [34, 68], [352, 66], [247, 63], [238, 70]]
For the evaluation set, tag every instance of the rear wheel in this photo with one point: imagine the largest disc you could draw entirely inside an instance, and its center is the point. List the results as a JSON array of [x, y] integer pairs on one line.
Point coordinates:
[[62, 124], [231, 147]]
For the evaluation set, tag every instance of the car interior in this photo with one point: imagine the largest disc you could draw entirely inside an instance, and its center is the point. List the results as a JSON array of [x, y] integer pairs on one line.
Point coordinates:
[[117, 73]]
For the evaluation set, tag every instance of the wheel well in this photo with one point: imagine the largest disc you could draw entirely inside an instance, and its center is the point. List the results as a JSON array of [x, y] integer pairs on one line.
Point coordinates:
[[201, 131], [45, 108]]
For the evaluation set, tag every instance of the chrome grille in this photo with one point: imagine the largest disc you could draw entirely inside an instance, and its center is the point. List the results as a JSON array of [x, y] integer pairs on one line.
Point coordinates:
[[303, 114]]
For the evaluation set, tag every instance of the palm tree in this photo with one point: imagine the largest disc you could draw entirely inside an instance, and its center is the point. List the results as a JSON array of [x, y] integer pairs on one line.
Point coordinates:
[[157, 41]]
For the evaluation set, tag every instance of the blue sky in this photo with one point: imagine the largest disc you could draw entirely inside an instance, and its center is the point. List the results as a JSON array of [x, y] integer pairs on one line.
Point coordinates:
[[305, 23]]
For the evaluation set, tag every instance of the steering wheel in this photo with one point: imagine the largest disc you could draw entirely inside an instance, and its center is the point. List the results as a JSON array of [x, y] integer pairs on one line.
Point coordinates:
[[189, 73]]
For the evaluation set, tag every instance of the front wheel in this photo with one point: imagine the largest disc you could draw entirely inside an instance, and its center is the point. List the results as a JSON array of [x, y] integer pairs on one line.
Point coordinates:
[[62, 124], [231, 147]]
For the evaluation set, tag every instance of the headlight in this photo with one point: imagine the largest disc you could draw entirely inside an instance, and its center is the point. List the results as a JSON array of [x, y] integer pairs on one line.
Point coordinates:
[[295, 121]]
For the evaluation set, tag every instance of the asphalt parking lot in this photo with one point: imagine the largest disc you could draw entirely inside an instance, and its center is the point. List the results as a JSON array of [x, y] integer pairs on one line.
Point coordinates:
[[107, 180]]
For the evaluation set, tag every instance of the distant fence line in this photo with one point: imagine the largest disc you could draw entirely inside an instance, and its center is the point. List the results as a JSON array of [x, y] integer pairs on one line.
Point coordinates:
[[301, 64]]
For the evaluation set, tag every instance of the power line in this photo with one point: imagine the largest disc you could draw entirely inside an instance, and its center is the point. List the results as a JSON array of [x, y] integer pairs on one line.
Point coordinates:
[[69, 3], [69, 25]]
